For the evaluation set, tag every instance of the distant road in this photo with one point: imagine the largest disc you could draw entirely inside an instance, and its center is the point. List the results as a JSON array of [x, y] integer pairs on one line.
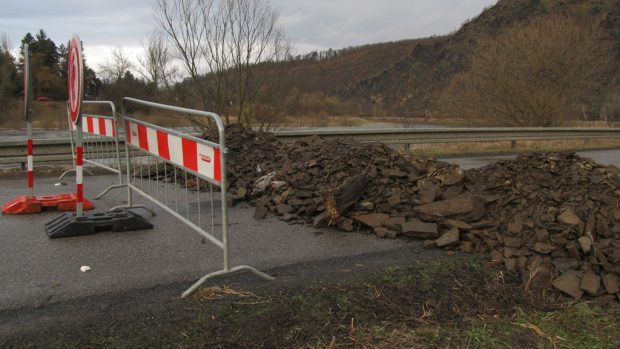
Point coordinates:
[[605, 157]]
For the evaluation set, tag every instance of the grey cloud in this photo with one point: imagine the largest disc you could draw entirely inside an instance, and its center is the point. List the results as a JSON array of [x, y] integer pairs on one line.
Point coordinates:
[[312, 24]]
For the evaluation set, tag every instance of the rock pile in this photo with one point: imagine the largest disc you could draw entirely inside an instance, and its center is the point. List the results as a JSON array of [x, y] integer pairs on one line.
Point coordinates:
[[555, 219], [251, 154], [551, 217]]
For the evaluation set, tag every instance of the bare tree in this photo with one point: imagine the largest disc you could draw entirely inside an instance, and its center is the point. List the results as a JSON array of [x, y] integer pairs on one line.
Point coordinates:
[[534, 75], [156, 63], [221, 44], [114, 70]]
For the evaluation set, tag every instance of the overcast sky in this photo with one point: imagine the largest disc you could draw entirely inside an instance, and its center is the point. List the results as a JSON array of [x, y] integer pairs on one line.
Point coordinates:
[[312, 24]]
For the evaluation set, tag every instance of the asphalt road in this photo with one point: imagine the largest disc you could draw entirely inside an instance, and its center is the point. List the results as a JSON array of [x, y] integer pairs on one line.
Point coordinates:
[[605, 157], [37, 271]]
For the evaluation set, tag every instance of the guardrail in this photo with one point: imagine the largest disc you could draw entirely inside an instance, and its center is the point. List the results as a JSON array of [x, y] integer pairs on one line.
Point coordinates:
[[14, 152]]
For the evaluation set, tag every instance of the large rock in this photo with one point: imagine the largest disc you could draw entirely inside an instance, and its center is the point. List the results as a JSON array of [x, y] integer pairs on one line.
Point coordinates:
[[449, 238], [460, 205], [419, 230], [610, 281], [569, 217], [570, 284], [591, 283], [373, 220]]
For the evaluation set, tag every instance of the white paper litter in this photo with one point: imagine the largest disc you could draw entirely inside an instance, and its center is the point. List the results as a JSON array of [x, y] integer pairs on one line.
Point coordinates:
[[85, 268]]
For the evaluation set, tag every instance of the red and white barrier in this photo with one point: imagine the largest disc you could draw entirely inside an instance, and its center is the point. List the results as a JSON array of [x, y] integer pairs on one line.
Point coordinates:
[[97, 125], [180, 150]]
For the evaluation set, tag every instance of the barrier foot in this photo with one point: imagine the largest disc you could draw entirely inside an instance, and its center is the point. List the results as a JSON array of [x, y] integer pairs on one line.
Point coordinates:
[[69, 171], [34, 204], [202, 280], [148, 209], [64, 174], [69, 225], [108, 189]]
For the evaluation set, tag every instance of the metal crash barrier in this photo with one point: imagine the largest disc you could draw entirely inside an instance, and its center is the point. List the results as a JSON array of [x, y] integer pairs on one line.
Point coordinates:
[[100, 143], [178, 173]]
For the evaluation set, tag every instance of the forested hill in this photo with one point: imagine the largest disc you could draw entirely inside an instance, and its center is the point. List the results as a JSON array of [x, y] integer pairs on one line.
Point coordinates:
[[415, 73]]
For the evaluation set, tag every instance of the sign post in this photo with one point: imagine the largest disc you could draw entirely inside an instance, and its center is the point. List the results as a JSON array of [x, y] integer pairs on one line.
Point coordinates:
[[76, 84], [28, 113]]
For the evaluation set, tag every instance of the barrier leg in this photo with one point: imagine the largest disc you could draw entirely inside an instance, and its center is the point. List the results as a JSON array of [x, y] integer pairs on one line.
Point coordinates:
[[202, 280]]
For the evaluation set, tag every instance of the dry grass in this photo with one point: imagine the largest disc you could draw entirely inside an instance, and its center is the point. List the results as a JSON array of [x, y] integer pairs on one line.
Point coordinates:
[[492, 148]]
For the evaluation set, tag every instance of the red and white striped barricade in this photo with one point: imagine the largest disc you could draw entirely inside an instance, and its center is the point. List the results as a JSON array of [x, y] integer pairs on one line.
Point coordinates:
[[178, 172], [100, 143], [31, 203]]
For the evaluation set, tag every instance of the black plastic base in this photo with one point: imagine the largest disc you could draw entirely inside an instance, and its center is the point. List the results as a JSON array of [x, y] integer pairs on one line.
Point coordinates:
[[68, 225]]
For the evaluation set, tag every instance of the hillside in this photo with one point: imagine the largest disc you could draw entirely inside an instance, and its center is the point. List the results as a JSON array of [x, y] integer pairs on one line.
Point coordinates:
[[414, 73], [419, 78]]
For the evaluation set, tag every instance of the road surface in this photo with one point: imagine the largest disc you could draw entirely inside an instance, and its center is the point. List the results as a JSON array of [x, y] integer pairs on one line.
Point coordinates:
[[37, 271]]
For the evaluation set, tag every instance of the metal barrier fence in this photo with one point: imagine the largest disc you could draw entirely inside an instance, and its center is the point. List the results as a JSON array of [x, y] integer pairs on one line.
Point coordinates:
[[100, 143], [172, 169]]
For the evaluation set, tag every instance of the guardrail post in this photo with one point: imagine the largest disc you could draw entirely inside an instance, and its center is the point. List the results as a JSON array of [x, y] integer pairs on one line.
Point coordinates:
[[513, 144], [586, 141]]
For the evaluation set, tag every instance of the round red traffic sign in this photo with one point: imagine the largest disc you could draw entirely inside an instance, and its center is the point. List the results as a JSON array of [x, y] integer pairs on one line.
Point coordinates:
[[76, 78]]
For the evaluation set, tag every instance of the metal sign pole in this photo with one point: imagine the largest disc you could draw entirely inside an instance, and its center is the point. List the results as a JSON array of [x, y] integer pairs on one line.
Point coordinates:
[[28, 112], [79, 184], [76, 83]]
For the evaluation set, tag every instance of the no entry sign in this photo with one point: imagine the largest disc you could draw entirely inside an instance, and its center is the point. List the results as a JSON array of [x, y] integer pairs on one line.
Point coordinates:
[[76, 78]]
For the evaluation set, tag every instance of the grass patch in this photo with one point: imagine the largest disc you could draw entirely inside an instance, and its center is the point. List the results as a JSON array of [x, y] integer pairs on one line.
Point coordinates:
[[494, 148], [577, 326]]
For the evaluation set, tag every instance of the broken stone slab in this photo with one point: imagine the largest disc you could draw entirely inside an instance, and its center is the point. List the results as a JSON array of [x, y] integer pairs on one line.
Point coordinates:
[[540, 278], [512, 242], [591, 283], [569, 217], [346, 225], [514, 228], [458, 224], [449, 238], [459, 205], [260, 212], [610, 281], [543, 247], [393, 223], [510, 264], [373, 220], [570, 284], [283, 209], [466, 246], [453, 177], [565, 264], [586, 244], [419, 230], [385, 233]]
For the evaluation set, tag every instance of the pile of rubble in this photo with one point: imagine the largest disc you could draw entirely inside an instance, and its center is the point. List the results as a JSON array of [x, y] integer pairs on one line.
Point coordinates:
[[552, 217], [251, 154]]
